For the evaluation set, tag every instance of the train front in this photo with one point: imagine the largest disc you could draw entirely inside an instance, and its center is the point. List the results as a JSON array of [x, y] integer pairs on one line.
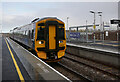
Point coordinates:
[[50, 42]]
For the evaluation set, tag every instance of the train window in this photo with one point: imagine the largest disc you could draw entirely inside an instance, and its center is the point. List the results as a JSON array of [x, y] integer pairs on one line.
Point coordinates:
[[29, 33], [61, 34], [40, 34], [22, 32], [32, 33], [25, 32], [41, 24], [62, 25]]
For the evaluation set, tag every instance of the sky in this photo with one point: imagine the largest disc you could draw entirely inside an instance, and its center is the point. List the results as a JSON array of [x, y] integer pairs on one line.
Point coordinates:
[[15, 14]]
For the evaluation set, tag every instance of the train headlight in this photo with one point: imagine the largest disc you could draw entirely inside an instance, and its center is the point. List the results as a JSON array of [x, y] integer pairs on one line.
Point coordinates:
[[41, 42], [60, 41]]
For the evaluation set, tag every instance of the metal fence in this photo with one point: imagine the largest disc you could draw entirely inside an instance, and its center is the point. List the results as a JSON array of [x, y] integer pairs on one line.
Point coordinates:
[[84, 35], [80, 34]]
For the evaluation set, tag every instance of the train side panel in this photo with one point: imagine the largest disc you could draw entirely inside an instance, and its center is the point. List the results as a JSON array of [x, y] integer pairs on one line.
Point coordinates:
[[25, 35]]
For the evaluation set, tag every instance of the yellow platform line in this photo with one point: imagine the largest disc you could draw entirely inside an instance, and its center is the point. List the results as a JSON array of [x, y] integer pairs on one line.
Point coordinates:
[[108, 44], [98, 43], [15, 63], [114, 41], [115, 45], [111, 44]]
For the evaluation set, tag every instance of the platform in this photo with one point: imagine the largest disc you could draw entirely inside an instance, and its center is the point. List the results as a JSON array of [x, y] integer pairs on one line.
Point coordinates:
[[108, 46], [19, 64], [9, 71], [108, 56]]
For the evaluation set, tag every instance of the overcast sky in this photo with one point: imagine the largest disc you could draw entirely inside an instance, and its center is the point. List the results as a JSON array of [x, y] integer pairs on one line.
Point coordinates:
[[15, 14]]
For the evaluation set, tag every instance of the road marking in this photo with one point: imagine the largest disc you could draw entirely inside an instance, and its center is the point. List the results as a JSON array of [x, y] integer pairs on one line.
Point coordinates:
[[15, 63]]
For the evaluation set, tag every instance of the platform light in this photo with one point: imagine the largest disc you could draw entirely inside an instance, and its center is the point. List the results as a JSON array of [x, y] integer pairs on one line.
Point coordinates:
[[92, 11], [99, 12]]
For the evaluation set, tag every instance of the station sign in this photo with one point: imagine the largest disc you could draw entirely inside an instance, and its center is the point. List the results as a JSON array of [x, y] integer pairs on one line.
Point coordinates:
[[115, 21], [74, 35]]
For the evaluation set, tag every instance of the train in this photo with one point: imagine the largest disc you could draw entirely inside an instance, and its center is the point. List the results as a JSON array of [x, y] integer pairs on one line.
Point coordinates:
[[46, 36]]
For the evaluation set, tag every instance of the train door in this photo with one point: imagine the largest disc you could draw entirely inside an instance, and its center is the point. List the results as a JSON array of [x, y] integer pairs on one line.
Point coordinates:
[[52, 35]]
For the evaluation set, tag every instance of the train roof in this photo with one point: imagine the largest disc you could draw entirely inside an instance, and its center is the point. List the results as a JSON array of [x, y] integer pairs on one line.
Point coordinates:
[[37, 19]]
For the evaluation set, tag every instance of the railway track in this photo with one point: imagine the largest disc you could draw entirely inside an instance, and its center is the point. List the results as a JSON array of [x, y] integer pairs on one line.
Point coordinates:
[[75, 72], [100, 68], [69, 72]]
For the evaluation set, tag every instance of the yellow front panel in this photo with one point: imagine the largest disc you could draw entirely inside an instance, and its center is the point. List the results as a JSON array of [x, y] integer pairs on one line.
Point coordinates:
[[42, 55], [52, 35], [61, 53]]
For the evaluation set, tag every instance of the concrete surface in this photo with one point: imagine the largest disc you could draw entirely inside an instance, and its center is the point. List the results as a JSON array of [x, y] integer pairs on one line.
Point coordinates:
[[106, 57], [9, 71]]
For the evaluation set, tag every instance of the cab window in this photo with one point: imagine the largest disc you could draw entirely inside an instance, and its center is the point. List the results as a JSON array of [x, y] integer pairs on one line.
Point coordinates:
[[61, 34], [40, 34]]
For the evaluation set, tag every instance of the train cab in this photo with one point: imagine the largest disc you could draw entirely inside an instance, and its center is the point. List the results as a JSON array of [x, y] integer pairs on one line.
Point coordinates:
[[50, 39]]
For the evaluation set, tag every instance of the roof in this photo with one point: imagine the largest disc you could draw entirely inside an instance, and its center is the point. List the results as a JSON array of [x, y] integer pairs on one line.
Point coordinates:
[[38, 19]]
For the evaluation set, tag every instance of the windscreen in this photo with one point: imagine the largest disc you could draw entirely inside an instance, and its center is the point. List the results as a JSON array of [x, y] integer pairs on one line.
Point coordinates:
[[61, 34], [40, 35]]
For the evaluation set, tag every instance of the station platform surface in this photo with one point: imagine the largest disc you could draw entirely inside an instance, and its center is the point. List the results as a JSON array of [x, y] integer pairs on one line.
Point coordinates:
[[19, 64], [9, 71], [109, 46]]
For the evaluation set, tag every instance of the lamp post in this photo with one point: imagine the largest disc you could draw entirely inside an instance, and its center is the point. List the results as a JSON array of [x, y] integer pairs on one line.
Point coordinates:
[[68, 30], [101, 29], [67, 23], [86, 32], [100, 20], [94, 23]]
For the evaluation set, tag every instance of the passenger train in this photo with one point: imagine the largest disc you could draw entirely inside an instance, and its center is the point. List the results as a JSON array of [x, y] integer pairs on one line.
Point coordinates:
[[46, 36]]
